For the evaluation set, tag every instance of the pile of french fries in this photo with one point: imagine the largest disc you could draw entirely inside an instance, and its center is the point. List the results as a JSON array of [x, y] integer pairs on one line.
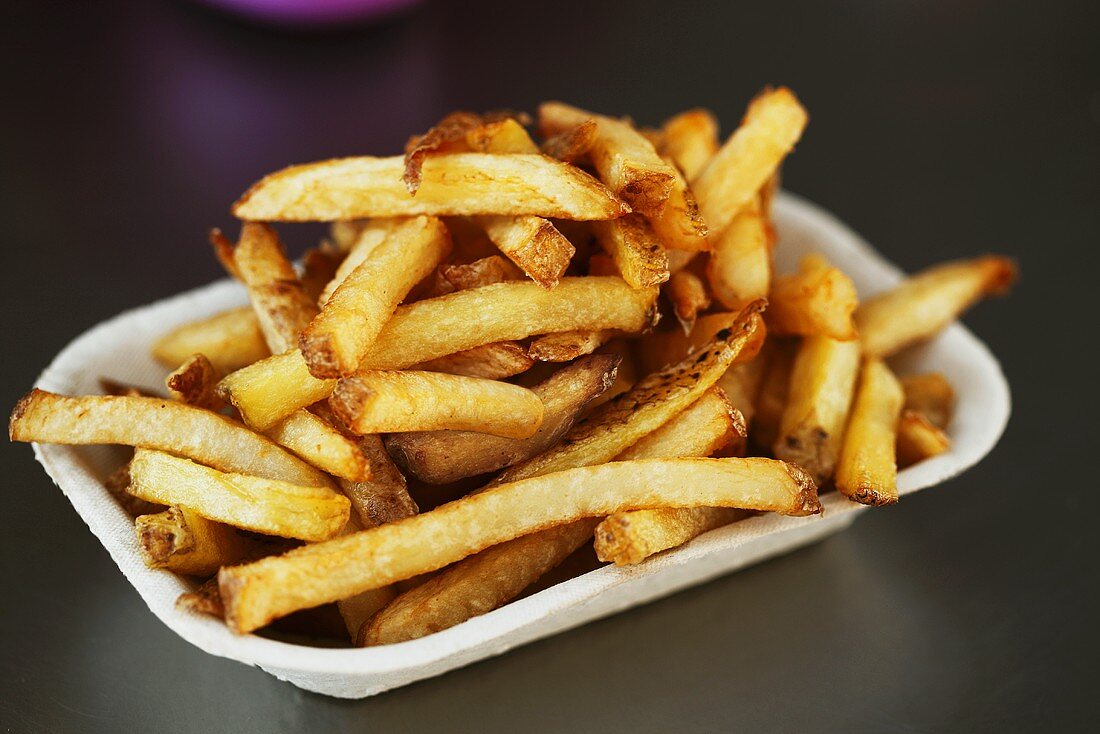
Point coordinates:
[[482, 335]]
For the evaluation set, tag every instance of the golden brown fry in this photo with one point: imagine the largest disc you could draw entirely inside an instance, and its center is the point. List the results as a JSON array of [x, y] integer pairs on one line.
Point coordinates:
[[156, 424], [662, 348], [439, 457], [625, 160], [679, 225], [919, 439], [565, 346], [316, 441], [319, 266], [823, 379], [205, 599], [282, 307], [230, 340], [532, 243], [223, 251], [691, 140], [688, 295], [377, 401], [337, 339], [700, 429], [385, 496], [345, 233], [739, 269], [427, 330], [183, 541], [463, 276], [866, 471], [456, 184], [117, 482], [927, 302], [817, 301], [767, 411], [502, 136], [369, 237], [489, 361], [266, 506], [258, 592], [772, 125], [573, 143], [931, 395], [680, 259], [449, 135], [193, 383], [634, 247]]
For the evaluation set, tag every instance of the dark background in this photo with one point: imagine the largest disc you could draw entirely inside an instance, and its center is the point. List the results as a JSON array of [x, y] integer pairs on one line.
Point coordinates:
[[938, 129]]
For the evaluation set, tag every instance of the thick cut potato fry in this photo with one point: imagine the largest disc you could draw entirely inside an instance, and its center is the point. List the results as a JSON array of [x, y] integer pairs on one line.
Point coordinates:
[[817, 301], [457, 184], [385, 496], [919, 439], [625, 160], [230, 340], [739, 268], [193, 383], [337, 339], [931, 395], [427, 330], [206, 599], [183, 541], [262, 505], [772, 125], [741, 386], [572, 144], [319, 443], [700, 429], [369, 237], [867, 471], [156, 424], [378, 401], [532, 243], [565, 346], [502, 136], [117, 482], [636, 250], [439, 457], [481, 272], [690, 139], [927, 302], [688, 295], [489, 361], [282, 307], [823, 379], [319, 267], [662, 348], [257, 593], [449, 135], [679, 225], [767, 412]]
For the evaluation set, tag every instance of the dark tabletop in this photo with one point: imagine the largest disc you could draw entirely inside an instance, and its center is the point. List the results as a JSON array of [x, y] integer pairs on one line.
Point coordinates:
[[938, 129]]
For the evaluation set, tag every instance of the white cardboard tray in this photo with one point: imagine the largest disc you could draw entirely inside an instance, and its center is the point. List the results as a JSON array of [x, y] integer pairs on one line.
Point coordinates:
[[119, 348]]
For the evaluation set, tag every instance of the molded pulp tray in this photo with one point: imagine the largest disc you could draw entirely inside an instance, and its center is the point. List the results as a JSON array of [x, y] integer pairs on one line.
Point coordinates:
[[119, 348]]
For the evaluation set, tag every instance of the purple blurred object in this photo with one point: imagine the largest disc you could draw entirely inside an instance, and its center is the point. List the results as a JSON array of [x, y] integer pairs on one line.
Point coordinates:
[[313, 13]]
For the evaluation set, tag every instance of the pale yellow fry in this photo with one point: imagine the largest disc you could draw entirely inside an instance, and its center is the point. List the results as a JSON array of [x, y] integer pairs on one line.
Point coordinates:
[[930, 395], [739, 269], [867, 471], [319, 443], [679, 224], [180, 540], [230, 340], [636, 250], [453, 184], [267, 506], [368, 237], [772, 125], [502, 136], [919, 439], [817, 301], [532, 243], [691, 140]]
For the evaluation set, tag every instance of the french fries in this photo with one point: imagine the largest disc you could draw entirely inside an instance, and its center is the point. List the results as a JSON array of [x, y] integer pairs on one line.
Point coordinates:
[[679, 224], [193, 383], [489, 361], [739, 268], [867, 471], [427, 330], [919, 439], [819, 300], [772, 125], [153, 423], [268, 506], [573, 143], [183, 541], [668, 347], [230, 340], [688, 294], [638, 253], [625, 160], [379, 401], [690, 139], [822, 381], [927, 302], [384, 496], [502, 136], [458, 184], [565, 346], [930, 395], [368, 236], [439, 457], [532, 243], [449, 135], [256, 593], [338, 338], [771, 398], [463, 276], [322, 445]]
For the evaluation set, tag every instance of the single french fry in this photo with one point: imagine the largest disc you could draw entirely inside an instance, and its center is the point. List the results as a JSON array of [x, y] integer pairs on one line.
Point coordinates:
[[337, 339], [741, 385], [625, 160], [117, 482], [439, 457], [573, 143], [457, 184], [449, 135], [205, 599], [319, 267], [688, 295], [502, 136], [679, 225], [565, 346], [193, 383], [771, 399], [532, 243], [319, 443], [223, 251], [153, 423], [925, 303], [919, 439], [819, 300], [739, 268], [268, 506], [660, 349], [690, 139], [866, 471], [823, 379], [433, 328], [772, 125], [369, 236], [230, 340], [183, 541], [463, 276], [931, 395], [256, 593], [378, 401], [636, 250], [627, 375], [384, 497], [282, 307], [489, 361]]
